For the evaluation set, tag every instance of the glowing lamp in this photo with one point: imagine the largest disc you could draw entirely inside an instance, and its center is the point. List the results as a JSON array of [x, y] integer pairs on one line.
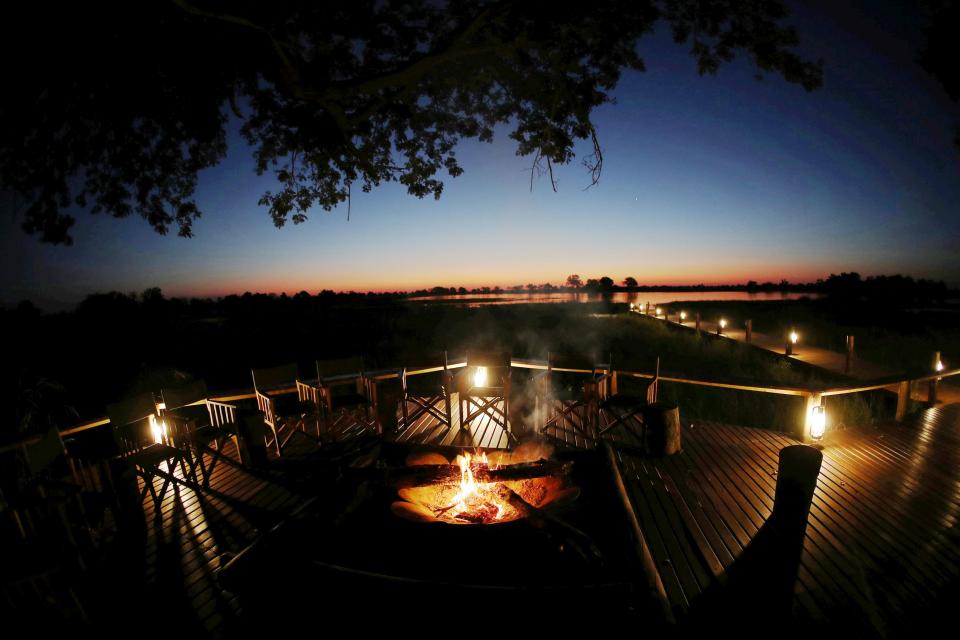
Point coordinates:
[[158, 429], [632, 306], [723, 323], [480, 377], [818, 422], [683, 316], [659, 311], [794, 337], [938, 366]]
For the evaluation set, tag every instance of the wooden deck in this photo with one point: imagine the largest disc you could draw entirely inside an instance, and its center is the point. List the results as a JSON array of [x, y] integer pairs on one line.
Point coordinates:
[[882, 546], [483, 431]]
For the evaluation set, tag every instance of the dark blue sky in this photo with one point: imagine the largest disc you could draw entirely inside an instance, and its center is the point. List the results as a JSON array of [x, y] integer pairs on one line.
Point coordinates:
[[714, 179]]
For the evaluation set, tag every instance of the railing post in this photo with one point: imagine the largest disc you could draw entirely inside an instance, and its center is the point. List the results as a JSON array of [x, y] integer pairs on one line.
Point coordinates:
[[812, 400], [749, 332], [849, 360], [698, 322], [613, 382], [903, 399]]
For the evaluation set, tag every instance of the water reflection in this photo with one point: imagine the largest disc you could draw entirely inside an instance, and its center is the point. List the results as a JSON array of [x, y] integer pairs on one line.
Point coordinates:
[[481, 299]]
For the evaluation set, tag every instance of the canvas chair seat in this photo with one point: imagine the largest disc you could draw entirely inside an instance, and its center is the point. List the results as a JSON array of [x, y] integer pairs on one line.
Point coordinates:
[[428, 385]]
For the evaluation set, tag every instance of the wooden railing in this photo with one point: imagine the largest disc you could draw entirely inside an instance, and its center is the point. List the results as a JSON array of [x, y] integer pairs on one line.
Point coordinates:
[[813, 395]]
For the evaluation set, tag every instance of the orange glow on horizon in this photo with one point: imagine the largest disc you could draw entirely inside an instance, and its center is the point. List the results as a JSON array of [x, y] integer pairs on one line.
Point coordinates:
[[291, 286]]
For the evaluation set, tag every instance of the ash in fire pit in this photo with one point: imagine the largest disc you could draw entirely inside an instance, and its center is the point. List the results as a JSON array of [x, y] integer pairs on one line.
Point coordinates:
[[477, 488]]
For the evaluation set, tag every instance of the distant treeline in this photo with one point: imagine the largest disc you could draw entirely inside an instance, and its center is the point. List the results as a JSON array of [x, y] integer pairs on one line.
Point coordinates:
[[896, 289]]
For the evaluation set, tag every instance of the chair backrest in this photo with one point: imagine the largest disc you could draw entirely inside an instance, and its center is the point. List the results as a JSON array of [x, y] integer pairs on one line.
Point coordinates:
[[572, 361], [274, 377], [176, 397], [352, 366], [221, 413], [43, 453], [131, 420], [132, 410], [431, 361], [497, 364], [307, 392], [490, 359]]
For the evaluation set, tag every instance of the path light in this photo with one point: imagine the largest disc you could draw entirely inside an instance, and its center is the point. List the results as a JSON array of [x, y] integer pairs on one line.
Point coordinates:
[[158, 429], [818, 422], [792, 341], [480, 377]]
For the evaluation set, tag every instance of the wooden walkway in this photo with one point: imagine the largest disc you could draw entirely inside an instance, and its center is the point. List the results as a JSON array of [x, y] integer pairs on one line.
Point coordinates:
[[948, 391], [882, 546]]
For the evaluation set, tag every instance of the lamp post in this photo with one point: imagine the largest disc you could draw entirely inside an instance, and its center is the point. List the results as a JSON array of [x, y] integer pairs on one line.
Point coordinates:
[[818, 422], [792, 338], [938, 367]]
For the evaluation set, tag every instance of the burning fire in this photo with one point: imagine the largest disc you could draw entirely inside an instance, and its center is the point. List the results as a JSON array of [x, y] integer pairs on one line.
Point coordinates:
[[473, 502]]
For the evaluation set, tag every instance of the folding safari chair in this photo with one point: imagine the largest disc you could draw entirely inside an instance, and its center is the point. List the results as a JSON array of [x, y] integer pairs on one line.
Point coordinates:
[[484, 387], [281, 414], [424, 394], [345, 395], [568, 395], [148, 443], [210, 424], [625, 410]]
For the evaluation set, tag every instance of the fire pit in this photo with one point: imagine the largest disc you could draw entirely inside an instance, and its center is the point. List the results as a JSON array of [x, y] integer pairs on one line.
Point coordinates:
[[382, 545], [479, 489]]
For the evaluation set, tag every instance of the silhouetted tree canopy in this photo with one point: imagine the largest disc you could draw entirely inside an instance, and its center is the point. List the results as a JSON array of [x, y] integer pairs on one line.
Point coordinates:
[[116, 106], [939, 56]]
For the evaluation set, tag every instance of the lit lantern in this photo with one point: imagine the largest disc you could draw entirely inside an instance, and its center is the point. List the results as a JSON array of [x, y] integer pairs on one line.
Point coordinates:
[[794, 337], [632, 306], [659, 311], [818, 422], [480, 377], [938, 366], [158, 429], [721, 325], [683, 316]]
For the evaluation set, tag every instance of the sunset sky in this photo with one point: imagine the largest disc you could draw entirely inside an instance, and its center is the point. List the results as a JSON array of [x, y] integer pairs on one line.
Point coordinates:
[[715, 180]]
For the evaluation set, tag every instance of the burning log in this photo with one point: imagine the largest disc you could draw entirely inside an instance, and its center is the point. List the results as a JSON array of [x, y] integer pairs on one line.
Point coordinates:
[[431, 474]]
